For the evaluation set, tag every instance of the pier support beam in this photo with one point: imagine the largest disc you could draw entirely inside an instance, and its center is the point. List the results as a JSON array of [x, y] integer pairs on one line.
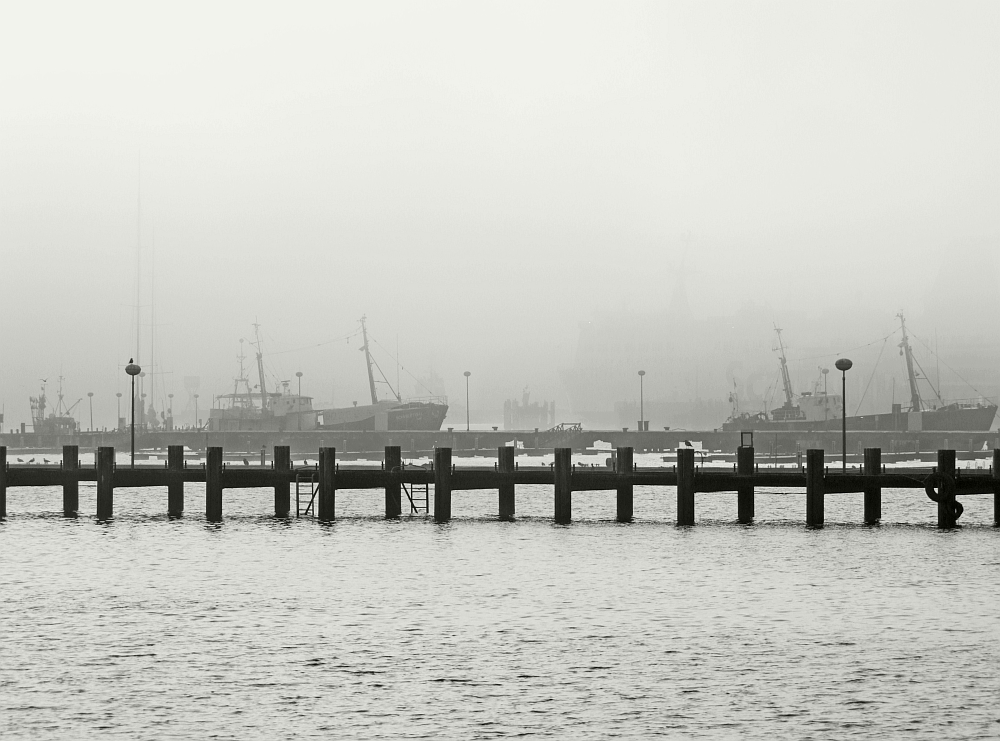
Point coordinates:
[[71, 480], [624, 500], [175, 489], [744, 492], [946, 464], [685, 486], [213, 484], [442, 484], [563, 486], [105, 483], [505, 465], [282, 487], [326, 508], [873, 492], [393, 473], [815, 493], [3, 482]]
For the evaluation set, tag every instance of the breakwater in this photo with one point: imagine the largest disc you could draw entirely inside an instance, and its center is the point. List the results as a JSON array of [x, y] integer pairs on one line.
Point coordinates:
[[429, 490]]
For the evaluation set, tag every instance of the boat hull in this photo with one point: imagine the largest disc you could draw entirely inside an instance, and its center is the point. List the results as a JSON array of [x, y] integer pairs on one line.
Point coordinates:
[[950, 418], [408, 416]]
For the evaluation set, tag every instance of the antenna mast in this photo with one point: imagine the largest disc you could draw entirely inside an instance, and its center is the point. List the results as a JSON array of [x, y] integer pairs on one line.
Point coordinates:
[[785, 379], [915, 403], [368, 361], [260, 368]]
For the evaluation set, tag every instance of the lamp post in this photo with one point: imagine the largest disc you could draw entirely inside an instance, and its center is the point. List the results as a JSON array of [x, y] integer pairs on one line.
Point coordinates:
[[197, 422], [133, 370], [642, 416], [844, 365], [298, 374], [467, 425], [90, 398], [118, 421], [298, 403], [170, 411]]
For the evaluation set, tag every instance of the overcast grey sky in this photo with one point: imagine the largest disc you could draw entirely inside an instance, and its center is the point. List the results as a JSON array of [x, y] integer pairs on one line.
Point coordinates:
[[480, 177]]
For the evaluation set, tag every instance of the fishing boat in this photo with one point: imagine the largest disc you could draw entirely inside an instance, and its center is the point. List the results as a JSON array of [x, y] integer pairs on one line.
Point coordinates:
[[257, 409], [60, 421], [818, 411]]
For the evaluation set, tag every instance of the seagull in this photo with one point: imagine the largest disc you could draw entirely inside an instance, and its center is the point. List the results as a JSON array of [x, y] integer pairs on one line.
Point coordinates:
[[45, 460], [246, 462], [32, 460], [20, 461]]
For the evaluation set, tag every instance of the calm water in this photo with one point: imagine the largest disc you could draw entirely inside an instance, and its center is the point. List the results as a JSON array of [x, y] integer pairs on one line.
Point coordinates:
[[149, 628]]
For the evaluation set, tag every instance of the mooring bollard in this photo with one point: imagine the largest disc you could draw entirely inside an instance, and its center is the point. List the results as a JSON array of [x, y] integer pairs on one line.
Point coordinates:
[[327, 505], [71, 480], [3, 481], [563, 485], [624, 491], [282, 486], [744, 492], [873, 492], [946, 511], [393, 471], [213, 485], [685, 486], [105, 483], [442, 484], [814, 488], [505, 465], [175, 488]]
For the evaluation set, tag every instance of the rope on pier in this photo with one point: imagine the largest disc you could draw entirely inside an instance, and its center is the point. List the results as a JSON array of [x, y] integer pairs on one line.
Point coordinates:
[[940, 488]]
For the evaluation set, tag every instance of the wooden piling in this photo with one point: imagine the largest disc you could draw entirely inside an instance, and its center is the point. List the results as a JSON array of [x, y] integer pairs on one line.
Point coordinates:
[[744, 492], [105, 483], [505, 465], [3, 482], [946, 465], [175, 488], [563, 486], [442, 484], [326, 507], [815, 493], [624, 499], [71, 480], [685, 486], [873, 492], [213, 484], [996, 487], [282, 487], [393, 476]]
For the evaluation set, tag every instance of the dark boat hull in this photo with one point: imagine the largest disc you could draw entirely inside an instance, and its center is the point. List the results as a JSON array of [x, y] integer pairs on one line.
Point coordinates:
[[950, 418], [407, 417]]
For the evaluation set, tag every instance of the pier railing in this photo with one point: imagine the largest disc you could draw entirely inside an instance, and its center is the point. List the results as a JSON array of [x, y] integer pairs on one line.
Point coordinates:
[[943, 483]]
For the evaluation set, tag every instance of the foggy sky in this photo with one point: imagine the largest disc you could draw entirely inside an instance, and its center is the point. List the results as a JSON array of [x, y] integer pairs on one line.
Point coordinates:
[[481, 178]]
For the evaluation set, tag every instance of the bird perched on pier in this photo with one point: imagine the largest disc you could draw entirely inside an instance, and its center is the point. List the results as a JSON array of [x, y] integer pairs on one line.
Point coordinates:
[[32, 460], [246, 462], [45, 460]]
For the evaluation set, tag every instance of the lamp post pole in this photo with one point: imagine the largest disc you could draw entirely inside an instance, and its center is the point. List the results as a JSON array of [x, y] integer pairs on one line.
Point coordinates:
[[298, 403], [90, 398], [467, 425], [642, 413], [843, 365], [118, 421], [170, 411], [197, 422], [133, 370]]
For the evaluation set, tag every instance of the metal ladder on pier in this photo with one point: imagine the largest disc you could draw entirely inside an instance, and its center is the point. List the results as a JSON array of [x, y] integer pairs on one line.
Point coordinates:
[[419, 496], [306, 483]]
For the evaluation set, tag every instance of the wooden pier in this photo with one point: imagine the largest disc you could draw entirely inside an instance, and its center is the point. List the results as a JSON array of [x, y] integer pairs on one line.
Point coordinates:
[[944, 482]]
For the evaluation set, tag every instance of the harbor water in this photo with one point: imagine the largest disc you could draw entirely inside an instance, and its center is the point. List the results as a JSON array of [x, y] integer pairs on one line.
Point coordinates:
[[149, 628]]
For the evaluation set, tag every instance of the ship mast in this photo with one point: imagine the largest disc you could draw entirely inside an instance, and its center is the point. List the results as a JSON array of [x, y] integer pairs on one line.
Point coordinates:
[[368, 361], [785, 379], [260, 368], [915, 403]]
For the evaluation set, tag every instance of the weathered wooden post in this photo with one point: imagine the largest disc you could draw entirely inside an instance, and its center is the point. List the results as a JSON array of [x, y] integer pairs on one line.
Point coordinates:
[[3, 481], [996, 487], [685, 486], [946, 465], [815, 494], [71, 480], [282, 486], [105, 483], [744, 492], [175, 487], [624, 500], [505, 465], [213, 484], [326, 508], [442, 484], [873, 492], [563, 470], [393, 475]]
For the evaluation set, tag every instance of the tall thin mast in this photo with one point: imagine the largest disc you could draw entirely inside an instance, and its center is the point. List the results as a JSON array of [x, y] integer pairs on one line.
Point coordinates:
[[915, 403], [368, 361], [260, 368], [785, 379]]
